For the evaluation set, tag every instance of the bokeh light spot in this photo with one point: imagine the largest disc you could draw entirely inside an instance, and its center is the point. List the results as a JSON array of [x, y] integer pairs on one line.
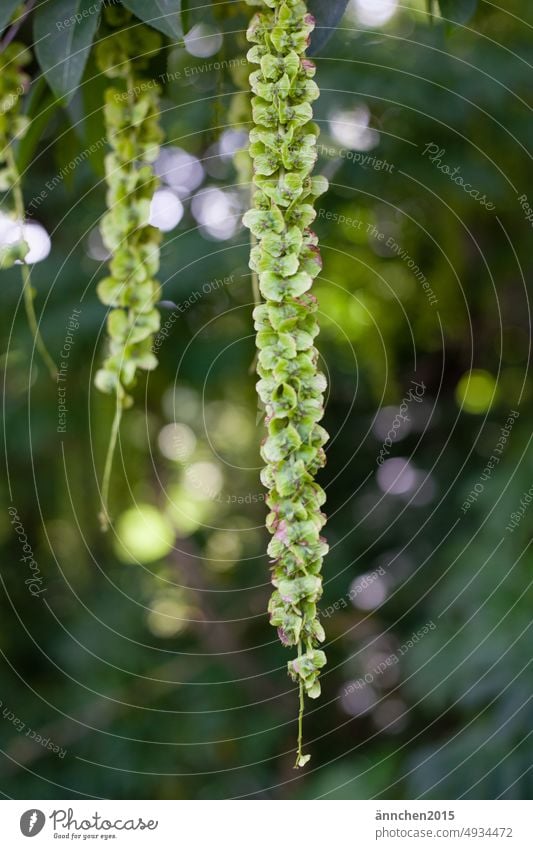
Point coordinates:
[[475, 391], [166, 210], [177, 442], [144, 534]]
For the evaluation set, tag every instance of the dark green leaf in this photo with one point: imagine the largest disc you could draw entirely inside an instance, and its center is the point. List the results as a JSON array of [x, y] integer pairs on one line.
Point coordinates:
[[6, 12], [42, 106], [457, 11], [327, 14], [65, 154], [64, 31], [92, 129], [164, 15], [186, 15]]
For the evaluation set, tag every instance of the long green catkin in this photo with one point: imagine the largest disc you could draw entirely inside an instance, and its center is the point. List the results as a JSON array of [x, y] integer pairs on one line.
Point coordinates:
[[131, 115], [13, 127], [286, 260]]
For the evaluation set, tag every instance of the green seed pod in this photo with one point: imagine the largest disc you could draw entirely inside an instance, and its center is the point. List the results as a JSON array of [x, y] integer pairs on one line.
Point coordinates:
[[134, 134], [286, 260], [13, 126]]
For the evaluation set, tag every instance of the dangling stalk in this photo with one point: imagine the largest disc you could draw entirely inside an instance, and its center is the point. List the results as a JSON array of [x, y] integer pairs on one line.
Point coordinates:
[[13, 83], [104, 517], [286, 259], [132, 126]]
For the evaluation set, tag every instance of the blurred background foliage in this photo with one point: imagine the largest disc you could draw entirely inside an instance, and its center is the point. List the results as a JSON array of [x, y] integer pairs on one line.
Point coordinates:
[[149, 658]]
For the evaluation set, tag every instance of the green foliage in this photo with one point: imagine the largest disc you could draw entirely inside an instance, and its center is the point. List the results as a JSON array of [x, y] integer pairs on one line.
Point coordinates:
[[7, 11], [327, 17], [164, 15], [457, 11], [64, 31]]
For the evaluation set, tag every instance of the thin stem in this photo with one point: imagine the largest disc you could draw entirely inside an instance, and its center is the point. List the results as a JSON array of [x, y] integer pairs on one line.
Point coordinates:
[[25, 270], [299, 753], [104, 512], [32, 321], [300, 723]]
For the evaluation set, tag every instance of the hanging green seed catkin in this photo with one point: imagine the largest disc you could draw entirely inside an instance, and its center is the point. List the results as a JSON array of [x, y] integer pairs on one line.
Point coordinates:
[[286, 259], [133, 131], [13, 127]]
